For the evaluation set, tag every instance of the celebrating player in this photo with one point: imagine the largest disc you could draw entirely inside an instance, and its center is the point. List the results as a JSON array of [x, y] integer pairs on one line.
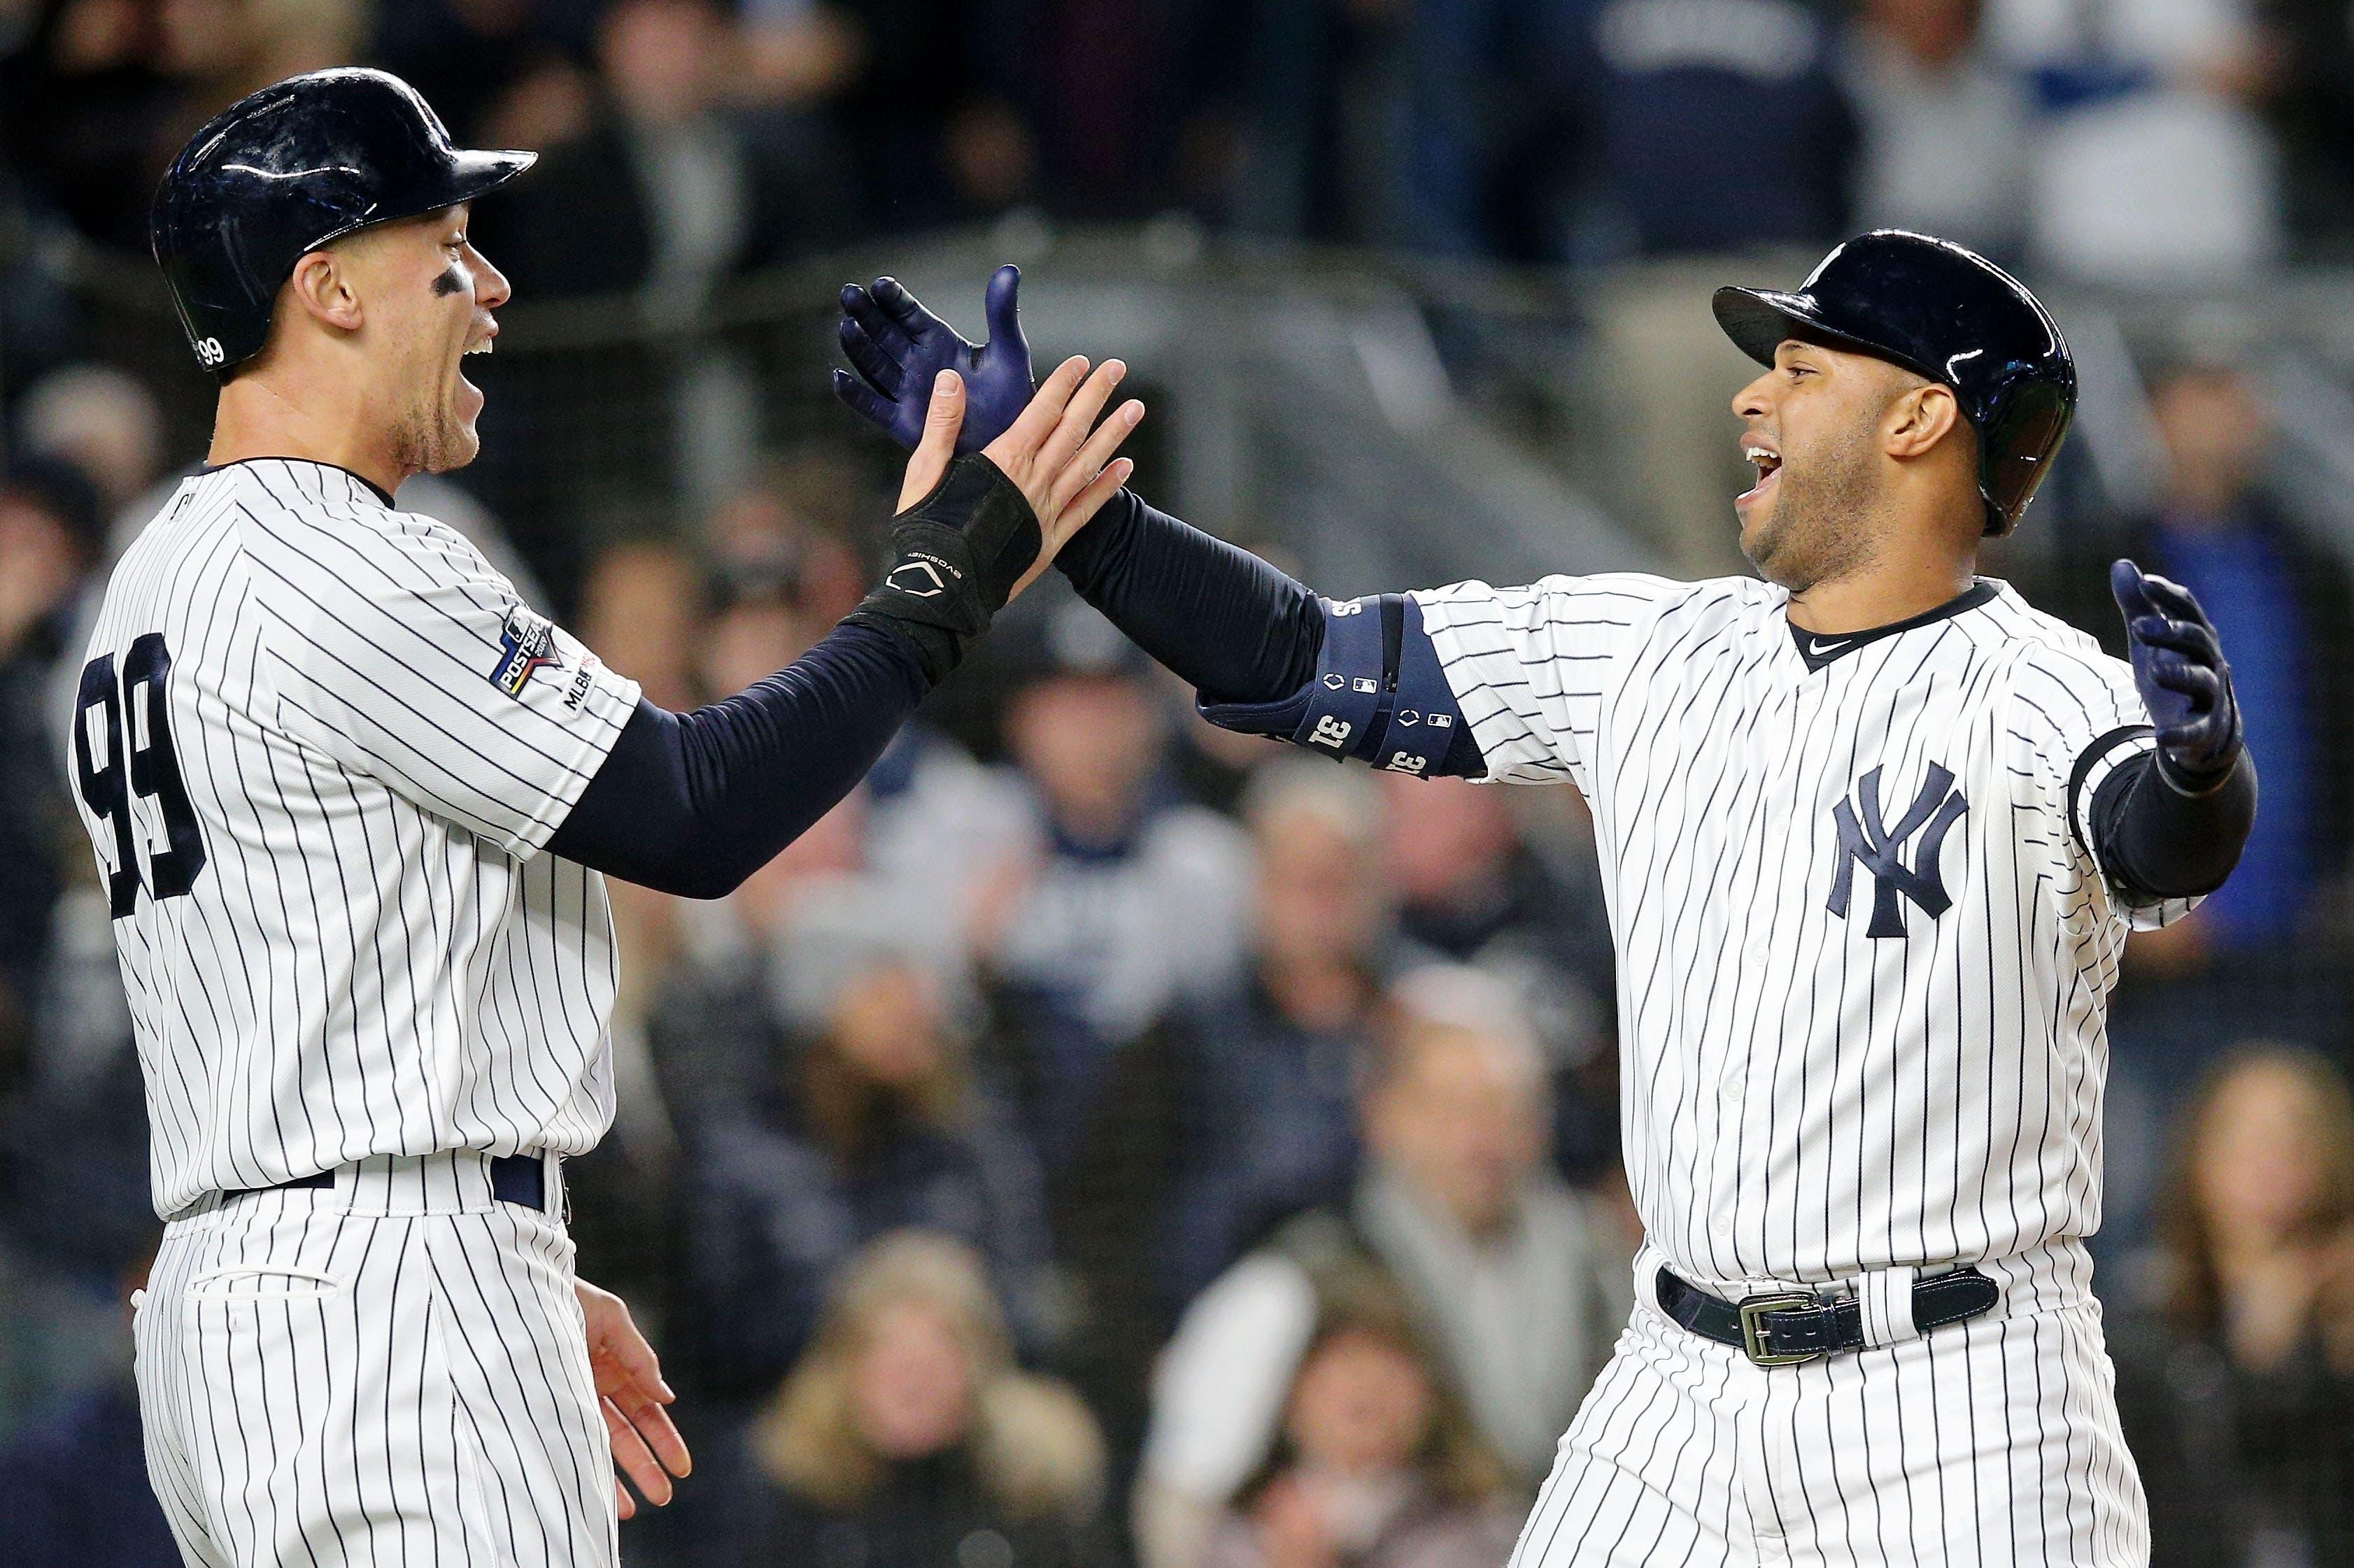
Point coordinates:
[[1872, 832], [352, 799]]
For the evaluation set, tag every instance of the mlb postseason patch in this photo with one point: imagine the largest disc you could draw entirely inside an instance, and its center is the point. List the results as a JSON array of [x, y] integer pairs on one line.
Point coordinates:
[[527, 641]]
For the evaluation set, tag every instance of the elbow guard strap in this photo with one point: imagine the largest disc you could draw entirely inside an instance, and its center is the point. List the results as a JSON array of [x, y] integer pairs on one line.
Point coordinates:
[[1378, 694]]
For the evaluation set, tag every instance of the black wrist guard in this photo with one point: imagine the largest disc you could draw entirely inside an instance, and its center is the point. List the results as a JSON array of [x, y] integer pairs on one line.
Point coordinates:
[[956, 554]]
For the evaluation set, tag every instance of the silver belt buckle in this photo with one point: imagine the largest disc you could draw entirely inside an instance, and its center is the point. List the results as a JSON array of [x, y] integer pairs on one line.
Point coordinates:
[[1753, 1309]]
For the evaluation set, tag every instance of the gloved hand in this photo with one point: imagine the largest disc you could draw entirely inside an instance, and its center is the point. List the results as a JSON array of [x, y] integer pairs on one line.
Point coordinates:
[[2178, 667], [898, 347]]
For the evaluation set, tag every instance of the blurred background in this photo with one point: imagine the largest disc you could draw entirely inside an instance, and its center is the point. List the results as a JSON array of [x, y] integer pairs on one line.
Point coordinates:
[[1104, 1141]]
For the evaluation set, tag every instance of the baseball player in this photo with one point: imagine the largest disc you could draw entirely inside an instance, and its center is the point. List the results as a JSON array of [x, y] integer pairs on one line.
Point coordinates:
[[1872, 833], [353, 803]]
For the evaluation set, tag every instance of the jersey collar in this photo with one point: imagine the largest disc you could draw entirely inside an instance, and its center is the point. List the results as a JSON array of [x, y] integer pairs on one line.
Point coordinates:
[[1821, 648], [374, 489]]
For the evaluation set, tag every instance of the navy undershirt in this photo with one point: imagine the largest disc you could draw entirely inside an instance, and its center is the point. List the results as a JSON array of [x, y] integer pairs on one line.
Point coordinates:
[[693, 803]]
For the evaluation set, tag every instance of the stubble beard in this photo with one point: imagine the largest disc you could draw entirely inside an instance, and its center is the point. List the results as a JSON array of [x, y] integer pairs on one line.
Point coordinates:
[[430, 438], [1821, 527]]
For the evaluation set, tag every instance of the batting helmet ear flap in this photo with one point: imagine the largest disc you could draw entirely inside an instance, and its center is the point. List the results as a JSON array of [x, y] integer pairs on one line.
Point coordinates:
[[2023, 431]]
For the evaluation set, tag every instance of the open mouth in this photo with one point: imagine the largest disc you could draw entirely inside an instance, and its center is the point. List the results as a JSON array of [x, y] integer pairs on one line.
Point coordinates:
[[1768, 463]]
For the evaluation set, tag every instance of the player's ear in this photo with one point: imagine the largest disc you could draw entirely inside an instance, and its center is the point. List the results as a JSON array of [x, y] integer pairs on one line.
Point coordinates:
[[1919, 417], [323, 288]]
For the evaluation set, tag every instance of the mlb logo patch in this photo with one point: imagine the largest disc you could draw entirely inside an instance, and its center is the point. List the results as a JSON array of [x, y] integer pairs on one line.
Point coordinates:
[[527, 642]]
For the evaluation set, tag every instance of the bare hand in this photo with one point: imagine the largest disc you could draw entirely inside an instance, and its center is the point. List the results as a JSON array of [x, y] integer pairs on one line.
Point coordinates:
[[646, 1447], [1055, 452]]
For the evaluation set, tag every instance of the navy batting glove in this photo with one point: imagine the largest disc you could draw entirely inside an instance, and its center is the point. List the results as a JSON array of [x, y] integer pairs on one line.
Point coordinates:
[[897, 347], [2179, 665]]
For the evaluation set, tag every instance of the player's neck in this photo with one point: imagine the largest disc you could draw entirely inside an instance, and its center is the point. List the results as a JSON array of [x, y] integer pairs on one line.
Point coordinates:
[[261, 415], [1882, 593]]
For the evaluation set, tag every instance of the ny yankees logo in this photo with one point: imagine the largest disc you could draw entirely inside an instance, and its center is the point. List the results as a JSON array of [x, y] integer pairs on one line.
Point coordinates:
[[1932, 815]]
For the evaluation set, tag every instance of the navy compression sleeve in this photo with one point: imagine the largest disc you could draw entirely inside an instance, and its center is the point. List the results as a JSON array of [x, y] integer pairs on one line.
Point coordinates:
[[2162, 843], [1251, 640], [1230, 625], [693, 803]]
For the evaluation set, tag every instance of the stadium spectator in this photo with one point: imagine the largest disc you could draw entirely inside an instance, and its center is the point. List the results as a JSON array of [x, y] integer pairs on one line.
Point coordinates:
[[2237, 1394], [1471, 889], [2284, 600], [677, 190], [74, 1207], [52, 530], [1126, 899], [906, 1436], [1701, 126], [868, 1120], [2289, 610], [641, 608], [1519, 1284], [101, 419], [1272, 1066], [1375, 1464], [807, 507], [717, 1036], [1691, 129], [2287, 606], [758, 625], [2151, 166], [1943, 123], [798, 51]]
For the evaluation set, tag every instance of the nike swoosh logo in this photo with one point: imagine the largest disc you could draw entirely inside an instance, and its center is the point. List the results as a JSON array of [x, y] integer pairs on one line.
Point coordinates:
[[1820, 649]]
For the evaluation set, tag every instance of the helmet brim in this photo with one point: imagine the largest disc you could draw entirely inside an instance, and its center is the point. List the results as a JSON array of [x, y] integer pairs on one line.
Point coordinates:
[[1759, 321], [469, 174]]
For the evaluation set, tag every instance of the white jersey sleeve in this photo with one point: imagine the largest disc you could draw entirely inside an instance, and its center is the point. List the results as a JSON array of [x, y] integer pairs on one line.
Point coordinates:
[[2075, 716], [1532, 667], [393, 646]]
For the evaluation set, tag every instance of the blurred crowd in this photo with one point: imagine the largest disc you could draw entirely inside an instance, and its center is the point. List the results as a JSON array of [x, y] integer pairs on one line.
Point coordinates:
[[1104, 1140], [2168, 145], [2133, 140]]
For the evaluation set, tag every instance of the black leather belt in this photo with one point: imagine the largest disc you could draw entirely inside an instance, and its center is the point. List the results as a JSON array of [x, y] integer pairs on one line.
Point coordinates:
[[514, 1179], [1785, 1328]]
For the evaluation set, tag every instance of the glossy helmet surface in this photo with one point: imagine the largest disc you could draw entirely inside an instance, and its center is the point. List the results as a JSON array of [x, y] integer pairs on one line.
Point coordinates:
[[289, 168], [1944, 312]]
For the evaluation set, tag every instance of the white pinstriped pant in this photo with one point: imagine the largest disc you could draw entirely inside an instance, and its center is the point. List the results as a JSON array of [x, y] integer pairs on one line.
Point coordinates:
[[391, 1372], [1990, 1442]]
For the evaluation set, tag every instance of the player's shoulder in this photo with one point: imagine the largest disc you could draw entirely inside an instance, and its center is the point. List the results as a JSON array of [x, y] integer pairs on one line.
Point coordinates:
[[298, 514], [1632, 596], [2043, 648]]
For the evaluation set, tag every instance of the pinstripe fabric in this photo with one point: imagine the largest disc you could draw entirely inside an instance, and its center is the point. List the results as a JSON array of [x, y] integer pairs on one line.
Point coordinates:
[[390, 1372], [1992, 1443], [1865, 956], [1802, 1101], [375, 958]]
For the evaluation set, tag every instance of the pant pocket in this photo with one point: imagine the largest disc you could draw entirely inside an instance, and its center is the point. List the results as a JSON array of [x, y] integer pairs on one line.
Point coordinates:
[[262, 1282]]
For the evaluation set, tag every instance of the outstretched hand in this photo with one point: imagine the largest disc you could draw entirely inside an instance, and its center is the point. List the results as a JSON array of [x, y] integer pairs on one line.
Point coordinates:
[[2185, 683], [1054, 452], [899, 349], [631, 1390]]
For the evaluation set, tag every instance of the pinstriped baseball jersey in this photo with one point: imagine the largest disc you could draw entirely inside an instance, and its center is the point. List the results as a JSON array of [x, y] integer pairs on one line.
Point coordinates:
[[1865, 952], [318, 743]]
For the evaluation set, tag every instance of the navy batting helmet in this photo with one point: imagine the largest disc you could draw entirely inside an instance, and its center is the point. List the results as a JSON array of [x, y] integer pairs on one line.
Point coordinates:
[[1944, 312], [283, 171]]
